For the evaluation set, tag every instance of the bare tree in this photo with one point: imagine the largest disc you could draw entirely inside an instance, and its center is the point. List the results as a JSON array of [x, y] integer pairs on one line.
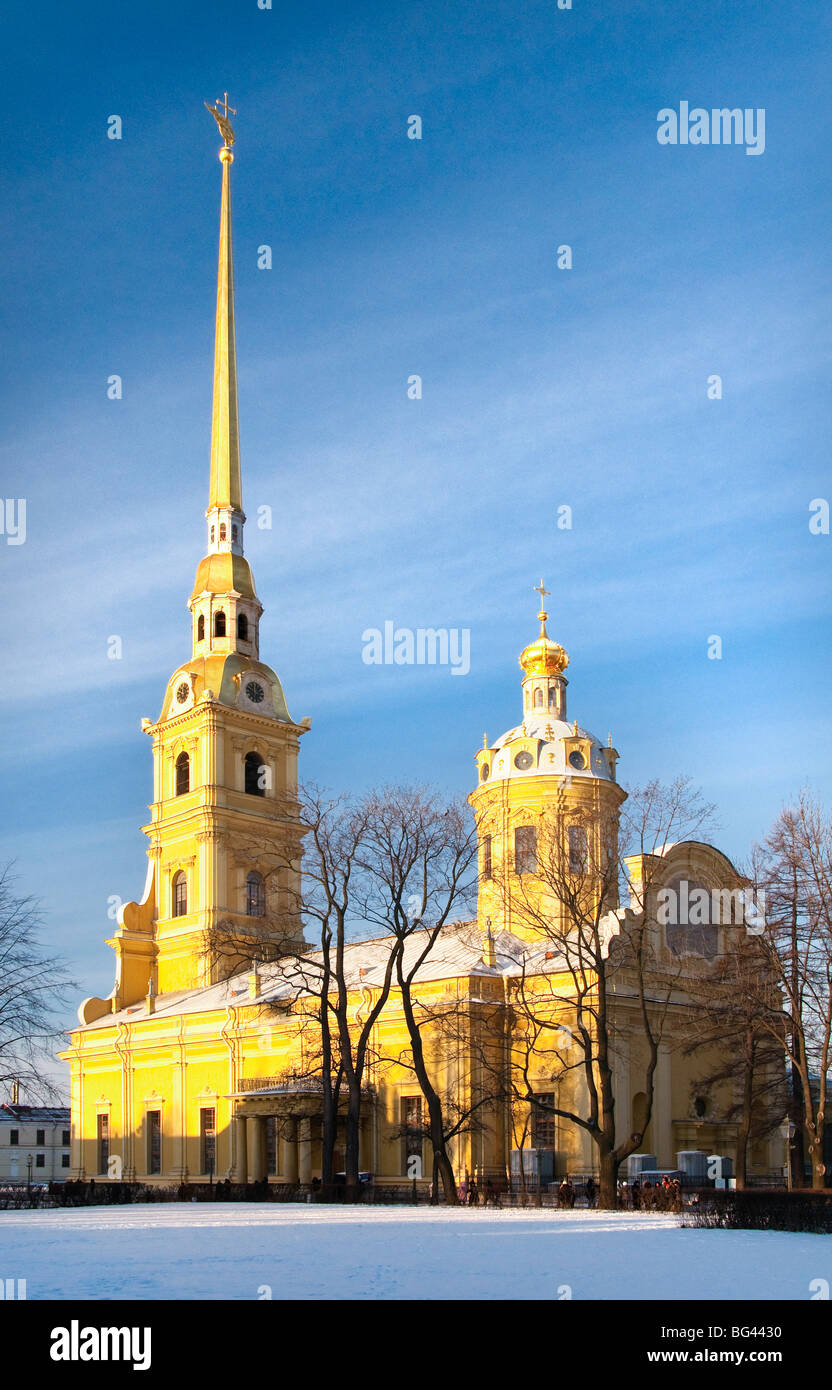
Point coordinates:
[[418, 859], [793, 868], [462, 1045], [33, 985], [319, 983], [337, 837], [745, 1053]]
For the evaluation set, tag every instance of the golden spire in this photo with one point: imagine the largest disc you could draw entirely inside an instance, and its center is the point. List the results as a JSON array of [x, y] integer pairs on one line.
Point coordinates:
[[226, 489]]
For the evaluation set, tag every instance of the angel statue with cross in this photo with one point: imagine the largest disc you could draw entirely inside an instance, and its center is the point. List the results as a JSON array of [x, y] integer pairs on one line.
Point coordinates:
[[221, 118]]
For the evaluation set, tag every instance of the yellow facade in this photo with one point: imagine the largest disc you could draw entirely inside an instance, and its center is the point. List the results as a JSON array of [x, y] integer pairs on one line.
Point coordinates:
[[171, 1073]]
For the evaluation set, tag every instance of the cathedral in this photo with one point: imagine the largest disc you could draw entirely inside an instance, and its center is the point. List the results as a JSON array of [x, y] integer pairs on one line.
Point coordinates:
[[184, 1073]]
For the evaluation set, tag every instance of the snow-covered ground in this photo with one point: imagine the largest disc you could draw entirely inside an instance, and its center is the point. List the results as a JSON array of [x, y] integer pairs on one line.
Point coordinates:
[[184, 1250]]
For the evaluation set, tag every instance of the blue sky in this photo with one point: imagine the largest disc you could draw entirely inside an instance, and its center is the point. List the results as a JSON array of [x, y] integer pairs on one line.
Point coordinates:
[[541, 387]]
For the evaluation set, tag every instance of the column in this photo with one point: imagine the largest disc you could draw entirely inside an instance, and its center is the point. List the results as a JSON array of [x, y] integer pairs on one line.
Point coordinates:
[[362, 1146], [621, 1092], [257, 1147], [305, 1151], [662, 1110], [179, 1167], [241, 1155], [290, 1151]]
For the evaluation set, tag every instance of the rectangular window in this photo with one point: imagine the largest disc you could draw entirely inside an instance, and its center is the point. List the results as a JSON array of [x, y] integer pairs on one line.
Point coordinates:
[[14, 1136], [413, 1136], [577, 849], [525, 850], [271, 1145], [154, 1141], [40, 1160], [65, 1139], [41, 1136], [103, 1143], [255, 896], [64, 1160], [208, 1140], [486, 857], [543, 1122]]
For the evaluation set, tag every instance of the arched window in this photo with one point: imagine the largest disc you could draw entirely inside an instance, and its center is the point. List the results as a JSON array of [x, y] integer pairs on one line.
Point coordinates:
[[180, 894], [222, 531], [219, 623], [242, 627], [256, 774], [553, 697], [183, 774], [538, 698], [200, 628], [212, 535], [233, 533], [255, 895]]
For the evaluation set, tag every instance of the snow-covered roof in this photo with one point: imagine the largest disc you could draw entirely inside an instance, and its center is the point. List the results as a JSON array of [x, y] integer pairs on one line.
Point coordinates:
[[552, 751], [34, 1114], [458, 951]]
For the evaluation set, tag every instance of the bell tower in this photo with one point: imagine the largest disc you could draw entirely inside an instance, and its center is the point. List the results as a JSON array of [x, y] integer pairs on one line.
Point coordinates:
[[224, 833]]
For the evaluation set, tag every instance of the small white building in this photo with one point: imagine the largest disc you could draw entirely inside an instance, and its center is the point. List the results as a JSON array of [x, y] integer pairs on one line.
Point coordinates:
[[39, 1132]]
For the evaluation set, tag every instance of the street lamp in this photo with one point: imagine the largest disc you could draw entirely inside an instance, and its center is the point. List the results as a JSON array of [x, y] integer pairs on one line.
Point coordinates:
[[28, 1172], [788, 1130]]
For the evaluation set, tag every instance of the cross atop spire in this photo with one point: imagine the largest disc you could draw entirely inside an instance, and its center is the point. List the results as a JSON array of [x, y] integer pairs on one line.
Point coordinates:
[[542, 615]]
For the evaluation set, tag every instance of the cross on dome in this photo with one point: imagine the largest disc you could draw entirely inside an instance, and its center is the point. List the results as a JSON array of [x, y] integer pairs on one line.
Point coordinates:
[[543, 657], [542, 615]]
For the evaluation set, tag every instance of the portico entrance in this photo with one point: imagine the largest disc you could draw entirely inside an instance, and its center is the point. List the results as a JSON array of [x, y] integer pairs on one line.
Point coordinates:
[[295, 1104]]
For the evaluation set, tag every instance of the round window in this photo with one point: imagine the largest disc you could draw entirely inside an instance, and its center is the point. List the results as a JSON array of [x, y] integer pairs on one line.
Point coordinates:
[[577, 759], [484, 772], [523, 761]]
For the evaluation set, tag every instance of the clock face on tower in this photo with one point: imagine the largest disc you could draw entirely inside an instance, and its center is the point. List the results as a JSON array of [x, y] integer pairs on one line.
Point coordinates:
[[255, 692], [182, 692]]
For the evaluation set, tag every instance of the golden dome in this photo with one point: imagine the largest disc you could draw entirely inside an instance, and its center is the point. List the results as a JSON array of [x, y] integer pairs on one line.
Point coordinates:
[[223, 573], [220, 673], [543, 657]]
